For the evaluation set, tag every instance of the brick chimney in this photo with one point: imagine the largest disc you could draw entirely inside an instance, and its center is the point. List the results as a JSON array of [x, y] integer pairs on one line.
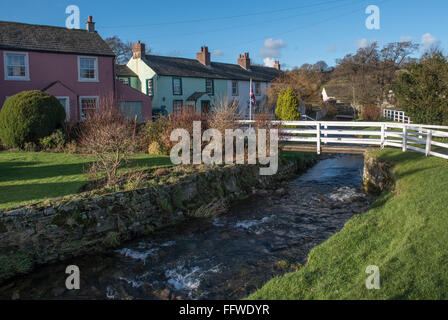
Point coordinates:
[[244, 61], [277, 65], [90, 25], [203, 56], [138, 50]]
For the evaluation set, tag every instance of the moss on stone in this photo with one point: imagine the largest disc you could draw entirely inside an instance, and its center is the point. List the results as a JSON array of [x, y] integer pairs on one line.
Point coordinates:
[[2, 227], [19, 262], [177, 198], [112, 239]]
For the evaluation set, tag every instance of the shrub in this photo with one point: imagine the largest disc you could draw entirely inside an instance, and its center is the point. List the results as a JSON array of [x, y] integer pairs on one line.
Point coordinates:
[[29, 116], [182, 120], [330, 110], [371, 113], [422, 89], [110, 139], [30, 147], [154, 148], [287, 106], [153, 134], [55, 141], [71, 147], [224, 116]]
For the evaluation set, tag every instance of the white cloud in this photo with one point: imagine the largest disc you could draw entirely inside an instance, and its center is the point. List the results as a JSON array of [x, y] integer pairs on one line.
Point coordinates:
[[271, 48], [428, 40], [269, 62], [363, 43], [405, 38], [217, 52]]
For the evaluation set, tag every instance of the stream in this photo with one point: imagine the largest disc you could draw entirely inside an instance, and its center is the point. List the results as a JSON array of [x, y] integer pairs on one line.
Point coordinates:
[[228, 257]]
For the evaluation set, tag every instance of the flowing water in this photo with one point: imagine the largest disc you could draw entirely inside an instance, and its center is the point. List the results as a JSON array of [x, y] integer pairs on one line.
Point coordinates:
[[224, 258]]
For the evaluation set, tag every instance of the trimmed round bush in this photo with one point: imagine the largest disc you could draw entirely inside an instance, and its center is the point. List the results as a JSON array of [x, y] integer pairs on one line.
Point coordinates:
[[29, 116]]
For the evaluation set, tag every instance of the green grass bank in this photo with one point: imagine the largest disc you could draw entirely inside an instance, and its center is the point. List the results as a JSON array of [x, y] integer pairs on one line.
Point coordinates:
[[404, 234], [32, 176]]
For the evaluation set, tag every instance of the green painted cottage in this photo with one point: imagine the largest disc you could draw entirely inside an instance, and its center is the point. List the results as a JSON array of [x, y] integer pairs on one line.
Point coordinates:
[[177, 83]]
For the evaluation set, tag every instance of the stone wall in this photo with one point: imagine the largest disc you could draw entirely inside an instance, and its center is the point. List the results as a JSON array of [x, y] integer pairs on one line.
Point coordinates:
[[43, 233], [377, 176]]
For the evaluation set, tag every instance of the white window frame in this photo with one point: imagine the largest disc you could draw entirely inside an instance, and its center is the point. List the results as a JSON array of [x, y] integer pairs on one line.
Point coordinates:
[[96, 79], [81, 118], [237, 89], [67, 106], [27, 66], [257, 88]]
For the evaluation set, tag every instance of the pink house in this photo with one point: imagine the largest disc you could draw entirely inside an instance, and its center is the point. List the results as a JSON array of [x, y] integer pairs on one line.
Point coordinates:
[[76, 66]]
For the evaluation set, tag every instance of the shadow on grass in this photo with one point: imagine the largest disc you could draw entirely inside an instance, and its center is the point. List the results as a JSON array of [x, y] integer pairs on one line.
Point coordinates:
[[152, 162], [17, 171], [16, 194]]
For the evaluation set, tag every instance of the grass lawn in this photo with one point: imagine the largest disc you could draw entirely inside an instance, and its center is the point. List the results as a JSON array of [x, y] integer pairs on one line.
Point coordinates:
[[404, 234], [31, 176]]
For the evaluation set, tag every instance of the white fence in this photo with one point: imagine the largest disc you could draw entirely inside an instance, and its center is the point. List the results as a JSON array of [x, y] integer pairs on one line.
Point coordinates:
[[396, 115], [421, 138]]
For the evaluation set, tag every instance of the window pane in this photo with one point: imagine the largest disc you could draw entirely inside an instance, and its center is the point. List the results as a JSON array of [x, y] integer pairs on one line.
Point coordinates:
[[209, 86], [149, 87], [177, 86], [88, 105], [87, 68], [15, 65], [235, 88], [124, 81]]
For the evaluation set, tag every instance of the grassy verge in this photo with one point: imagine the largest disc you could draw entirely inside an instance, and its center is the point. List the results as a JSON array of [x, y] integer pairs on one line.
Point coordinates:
[[32, 176], [404, 234]]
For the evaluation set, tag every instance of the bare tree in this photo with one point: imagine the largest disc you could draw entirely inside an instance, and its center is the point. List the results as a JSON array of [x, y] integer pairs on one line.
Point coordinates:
[[122, 50], [370, 72], [224, 115], [109, 138]]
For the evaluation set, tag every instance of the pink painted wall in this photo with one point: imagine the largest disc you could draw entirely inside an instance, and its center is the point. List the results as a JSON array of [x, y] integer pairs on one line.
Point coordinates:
[[46, 68], [126, 93]]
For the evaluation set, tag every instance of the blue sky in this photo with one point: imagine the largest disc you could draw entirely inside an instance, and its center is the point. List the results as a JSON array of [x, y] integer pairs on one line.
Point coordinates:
[[292, 31]]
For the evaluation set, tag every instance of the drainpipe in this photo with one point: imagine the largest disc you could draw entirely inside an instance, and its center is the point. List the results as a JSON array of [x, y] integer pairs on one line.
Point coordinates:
[[114, 76]]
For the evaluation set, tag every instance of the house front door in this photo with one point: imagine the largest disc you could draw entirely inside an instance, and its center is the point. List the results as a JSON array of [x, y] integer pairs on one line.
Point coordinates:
[[205, 107]]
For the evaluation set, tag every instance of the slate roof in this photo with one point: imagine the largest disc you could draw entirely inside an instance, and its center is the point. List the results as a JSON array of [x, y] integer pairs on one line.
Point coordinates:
[[124, 71], [21, 36], [182, 67]]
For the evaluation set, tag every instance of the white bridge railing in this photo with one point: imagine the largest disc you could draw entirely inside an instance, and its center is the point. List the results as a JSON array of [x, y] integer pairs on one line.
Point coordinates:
[[426, 139], [396, 115]]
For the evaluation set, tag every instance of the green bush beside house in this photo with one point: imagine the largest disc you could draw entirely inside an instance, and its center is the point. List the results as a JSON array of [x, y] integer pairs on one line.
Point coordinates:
[[29, 116]]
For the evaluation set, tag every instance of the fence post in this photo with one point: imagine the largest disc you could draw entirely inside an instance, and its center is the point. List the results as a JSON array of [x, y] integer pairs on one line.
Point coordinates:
[[420, 131], [318, 137], [383, 134], [326, 135], [405, 138], [428, 142]]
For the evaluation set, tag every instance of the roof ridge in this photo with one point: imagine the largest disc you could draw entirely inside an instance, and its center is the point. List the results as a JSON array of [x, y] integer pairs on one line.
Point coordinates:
[[43, 25], [217, 62]]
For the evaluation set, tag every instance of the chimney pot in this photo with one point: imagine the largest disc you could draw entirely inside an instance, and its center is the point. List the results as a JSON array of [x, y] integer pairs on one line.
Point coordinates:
[[244, 60], [138, 50], [277, 65], [203, 56], [90, 25]]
